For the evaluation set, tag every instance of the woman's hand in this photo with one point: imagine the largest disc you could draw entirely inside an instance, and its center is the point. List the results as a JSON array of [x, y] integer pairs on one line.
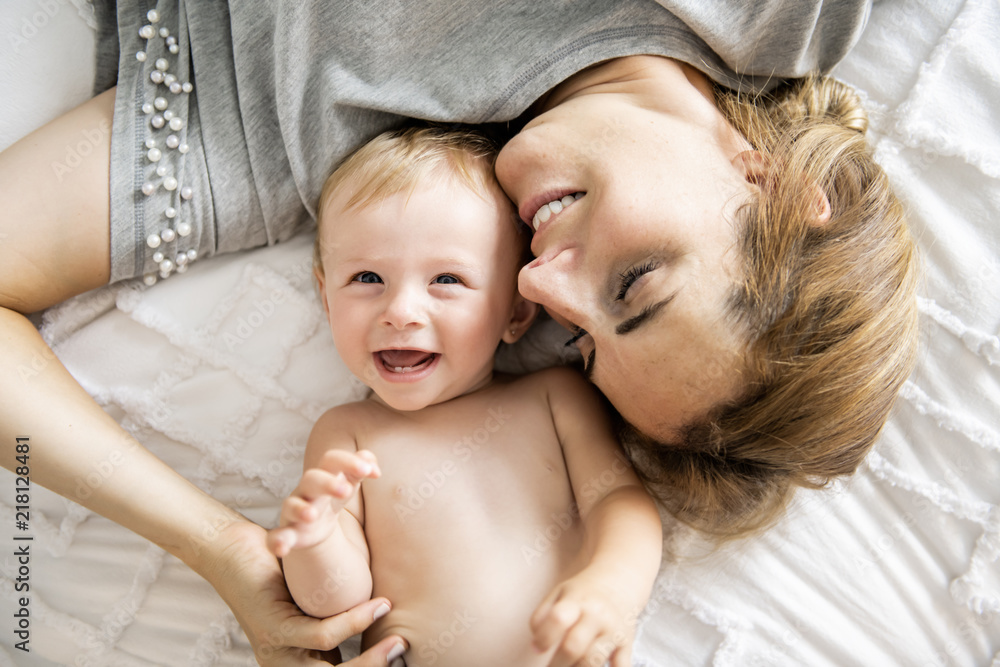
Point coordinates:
[[247, 577]]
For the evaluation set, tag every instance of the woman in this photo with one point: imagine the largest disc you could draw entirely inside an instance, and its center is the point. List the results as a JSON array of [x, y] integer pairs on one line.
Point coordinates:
[[689, 308], [763, 282]]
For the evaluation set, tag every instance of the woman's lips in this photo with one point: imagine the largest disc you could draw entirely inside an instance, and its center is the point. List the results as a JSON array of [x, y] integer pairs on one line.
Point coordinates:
[[545, 218], [554, 207], [531, 207]]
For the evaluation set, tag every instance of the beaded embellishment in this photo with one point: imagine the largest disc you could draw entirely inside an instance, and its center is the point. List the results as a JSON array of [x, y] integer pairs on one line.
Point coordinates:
[[165, 121]]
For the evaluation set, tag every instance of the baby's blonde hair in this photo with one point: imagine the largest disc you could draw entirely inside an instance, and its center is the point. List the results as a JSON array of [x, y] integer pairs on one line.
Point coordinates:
[[828, 311], [397, 161]]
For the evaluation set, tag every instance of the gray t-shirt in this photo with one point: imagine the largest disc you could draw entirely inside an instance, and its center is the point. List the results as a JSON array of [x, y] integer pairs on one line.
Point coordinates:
[[283, 90]]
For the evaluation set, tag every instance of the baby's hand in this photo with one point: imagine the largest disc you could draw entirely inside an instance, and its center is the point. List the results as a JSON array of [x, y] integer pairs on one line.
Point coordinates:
[[309, 514], [589, 620]]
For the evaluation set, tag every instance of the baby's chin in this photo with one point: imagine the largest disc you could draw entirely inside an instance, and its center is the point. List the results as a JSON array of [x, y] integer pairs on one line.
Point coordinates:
[[435, 387], [406, 401]]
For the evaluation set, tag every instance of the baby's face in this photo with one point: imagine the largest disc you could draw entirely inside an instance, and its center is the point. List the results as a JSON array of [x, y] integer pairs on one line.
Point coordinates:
[[420, 288]]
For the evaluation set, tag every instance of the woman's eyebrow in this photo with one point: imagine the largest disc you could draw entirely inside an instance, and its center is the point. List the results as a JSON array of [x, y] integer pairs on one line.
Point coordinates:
[[646, 315]]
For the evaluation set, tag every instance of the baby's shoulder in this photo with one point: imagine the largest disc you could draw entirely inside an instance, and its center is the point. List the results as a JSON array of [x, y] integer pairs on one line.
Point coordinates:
[[341, 427], [343, 415], [559, 389], [556, 378], [566, 392]]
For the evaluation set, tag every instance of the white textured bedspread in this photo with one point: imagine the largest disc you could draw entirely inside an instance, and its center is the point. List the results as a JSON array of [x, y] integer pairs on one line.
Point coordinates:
[[221, 372]]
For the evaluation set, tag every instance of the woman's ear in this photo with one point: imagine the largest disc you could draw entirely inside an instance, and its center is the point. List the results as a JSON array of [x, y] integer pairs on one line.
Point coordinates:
[[754, 166], [820, 203], [756, 170], [522, 314]]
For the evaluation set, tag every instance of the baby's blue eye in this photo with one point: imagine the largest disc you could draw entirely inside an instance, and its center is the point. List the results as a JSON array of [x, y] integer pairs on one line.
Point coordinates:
[[447, 279], [367, 277]]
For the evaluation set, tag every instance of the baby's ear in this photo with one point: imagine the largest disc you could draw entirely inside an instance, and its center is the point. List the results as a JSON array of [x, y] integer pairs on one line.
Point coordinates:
[[522, 314], [321, 287]]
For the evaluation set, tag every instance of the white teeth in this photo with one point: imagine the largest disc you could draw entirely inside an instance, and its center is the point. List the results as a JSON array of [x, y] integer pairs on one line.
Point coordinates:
[[403, 369], [553, 207]]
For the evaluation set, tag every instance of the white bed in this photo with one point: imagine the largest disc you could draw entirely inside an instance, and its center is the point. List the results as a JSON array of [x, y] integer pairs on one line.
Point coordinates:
[[215, 371]]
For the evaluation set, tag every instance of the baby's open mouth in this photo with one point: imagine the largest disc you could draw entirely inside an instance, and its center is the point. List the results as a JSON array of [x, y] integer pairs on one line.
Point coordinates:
[[405, 361]]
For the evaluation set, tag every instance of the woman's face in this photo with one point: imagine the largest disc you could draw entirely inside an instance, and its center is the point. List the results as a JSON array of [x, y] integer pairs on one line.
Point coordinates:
[[645, 259]]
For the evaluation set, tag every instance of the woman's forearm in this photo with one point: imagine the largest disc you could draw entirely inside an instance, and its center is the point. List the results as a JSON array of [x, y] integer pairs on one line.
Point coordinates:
[[78, 451]]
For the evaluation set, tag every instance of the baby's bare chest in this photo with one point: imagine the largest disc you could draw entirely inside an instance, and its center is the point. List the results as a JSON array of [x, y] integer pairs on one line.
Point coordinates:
[[473, 515], [498, 465]]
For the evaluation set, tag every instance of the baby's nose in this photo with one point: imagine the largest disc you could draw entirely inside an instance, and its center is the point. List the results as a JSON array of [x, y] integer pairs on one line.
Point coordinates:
[[406, 308]]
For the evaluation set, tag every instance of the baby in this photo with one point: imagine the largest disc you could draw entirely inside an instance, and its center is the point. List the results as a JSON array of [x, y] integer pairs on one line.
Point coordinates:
[[497, 513]]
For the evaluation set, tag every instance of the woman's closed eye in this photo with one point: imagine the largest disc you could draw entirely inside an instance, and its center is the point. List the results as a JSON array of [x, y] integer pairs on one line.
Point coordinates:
[[629, 277]]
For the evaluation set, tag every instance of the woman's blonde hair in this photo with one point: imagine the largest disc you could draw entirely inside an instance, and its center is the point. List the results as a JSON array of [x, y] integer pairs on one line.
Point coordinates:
[[829, 313]]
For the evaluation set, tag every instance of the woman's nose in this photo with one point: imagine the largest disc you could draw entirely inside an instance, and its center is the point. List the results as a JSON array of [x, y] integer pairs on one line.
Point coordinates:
[[556, 284], [406, 308]]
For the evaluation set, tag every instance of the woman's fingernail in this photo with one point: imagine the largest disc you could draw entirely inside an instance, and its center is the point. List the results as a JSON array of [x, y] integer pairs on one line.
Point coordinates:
[[381, 611], [396, 651]]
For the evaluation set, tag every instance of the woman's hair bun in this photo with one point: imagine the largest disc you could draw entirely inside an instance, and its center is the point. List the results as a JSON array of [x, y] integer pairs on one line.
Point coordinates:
[[823, 99]]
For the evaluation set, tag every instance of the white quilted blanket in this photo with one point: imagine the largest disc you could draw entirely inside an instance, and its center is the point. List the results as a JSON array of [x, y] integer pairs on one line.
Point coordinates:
[[222, 370]]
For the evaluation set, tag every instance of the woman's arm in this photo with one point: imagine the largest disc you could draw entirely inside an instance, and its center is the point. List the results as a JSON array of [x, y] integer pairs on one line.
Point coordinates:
[[54, 244]]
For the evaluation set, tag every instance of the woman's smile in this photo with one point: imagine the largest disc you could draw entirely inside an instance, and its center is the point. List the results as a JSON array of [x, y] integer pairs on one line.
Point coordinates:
[[553, 206]]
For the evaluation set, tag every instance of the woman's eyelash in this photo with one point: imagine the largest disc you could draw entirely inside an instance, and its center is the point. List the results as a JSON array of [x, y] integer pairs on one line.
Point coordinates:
[[578, 333], [630, 276]]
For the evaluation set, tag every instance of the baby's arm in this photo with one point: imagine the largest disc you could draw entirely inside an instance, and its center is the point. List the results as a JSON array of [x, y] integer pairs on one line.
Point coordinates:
[[592, 615], [320, 538]]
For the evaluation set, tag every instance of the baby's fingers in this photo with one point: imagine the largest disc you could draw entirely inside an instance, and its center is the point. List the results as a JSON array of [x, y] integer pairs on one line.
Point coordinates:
[[551, 621], [623, 656], [280, 541], [354, 466], [297, 509], [317, 482], [369, 458], [580, 645]]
